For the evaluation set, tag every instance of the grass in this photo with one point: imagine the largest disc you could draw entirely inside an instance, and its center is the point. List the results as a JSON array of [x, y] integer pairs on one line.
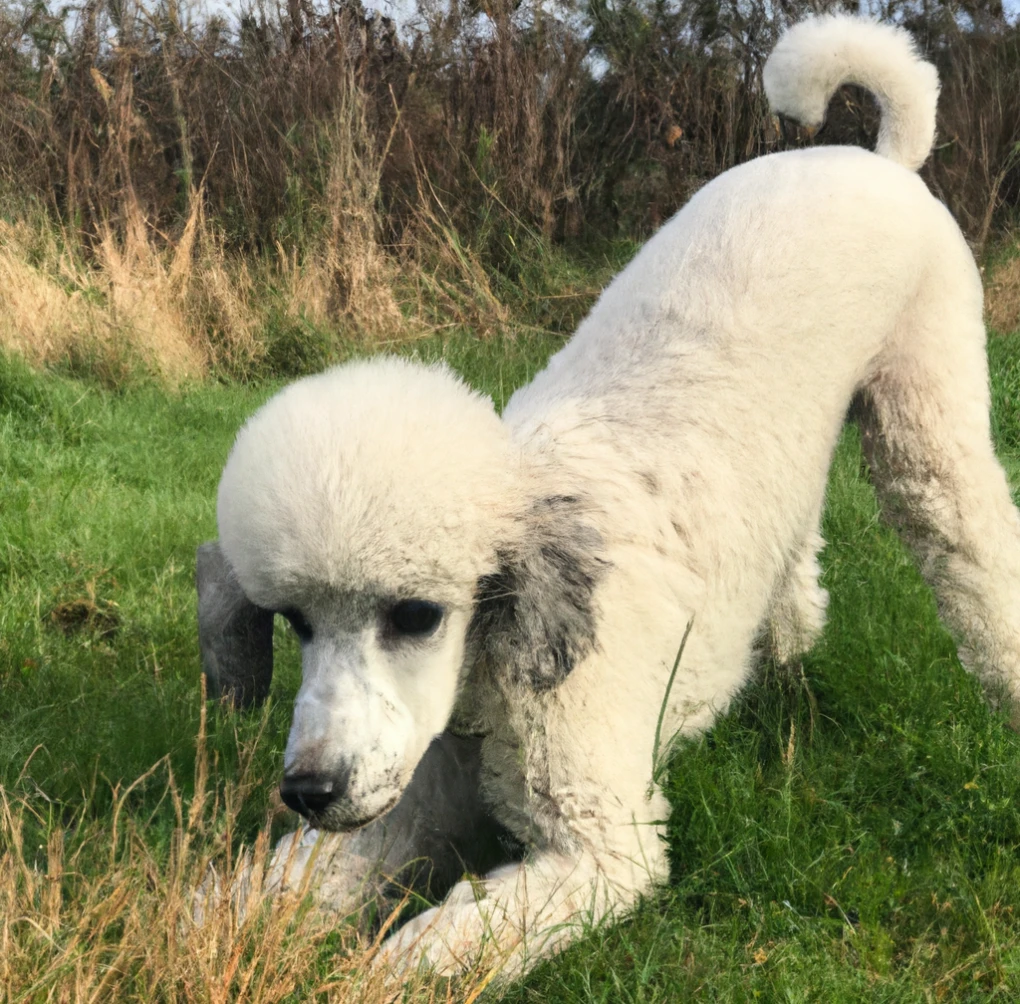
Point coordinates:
[[852, 835]]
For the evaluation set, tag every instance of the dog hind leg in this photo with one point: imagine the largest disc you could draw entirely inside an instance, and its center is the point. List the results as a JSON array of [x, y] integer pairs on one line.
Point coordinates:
[[924, 419]]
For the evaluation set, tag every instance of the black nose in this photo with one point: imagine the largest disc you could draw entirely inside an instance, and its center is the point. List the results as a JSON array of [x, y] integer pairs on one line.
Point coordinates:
[[309, 794]]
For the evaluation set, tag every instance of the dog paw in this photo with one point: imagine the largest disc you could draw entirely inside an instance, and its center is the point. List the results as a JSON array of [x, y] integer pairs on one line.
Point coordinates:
[[448, 939], [258, 877]]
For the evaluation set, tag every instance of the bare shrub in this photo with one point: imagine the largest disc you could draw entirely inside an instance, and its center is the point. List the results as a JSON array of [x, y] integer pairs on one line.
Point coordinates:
[[351, 266], [319, 165], [975, 166]]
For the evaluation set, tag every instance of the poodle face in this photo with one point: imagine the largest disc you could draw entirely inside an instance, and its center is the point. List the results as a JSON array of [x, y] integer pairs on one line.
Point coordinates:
[[365, 505], [379, 678], [385, 511]]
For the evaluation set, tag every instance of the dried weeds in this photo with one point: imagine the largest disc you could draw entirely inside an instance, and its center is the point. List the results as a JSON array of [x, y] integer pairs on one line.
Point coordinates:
[[91, 910]]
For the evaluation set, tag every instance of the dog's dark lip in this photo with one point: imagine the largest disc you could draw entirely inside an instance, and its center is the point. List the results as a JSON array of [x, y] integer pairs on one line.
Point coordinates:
[[324, 822]]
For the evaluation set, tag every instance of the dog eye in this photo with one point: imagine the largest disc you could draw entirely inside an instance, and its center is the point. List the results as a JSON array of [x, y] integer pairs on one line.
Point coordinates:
[[415, 618], [298, 622]]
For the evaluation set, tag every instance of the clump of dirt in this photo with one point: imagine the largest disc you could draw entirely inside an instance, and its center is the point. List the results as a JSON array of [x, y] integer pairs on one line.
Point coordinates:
[[80, 610], [101, 619]]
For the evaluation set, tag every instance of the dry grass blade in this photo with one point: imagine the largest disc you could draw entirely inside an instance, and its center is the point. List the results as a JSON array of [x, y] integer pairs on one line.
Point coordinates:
[[100, 913]]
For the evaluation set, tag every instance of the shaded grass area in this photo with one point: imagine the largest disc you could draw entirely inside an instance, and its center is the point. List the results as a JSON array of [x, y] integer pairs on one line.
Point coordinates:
[[851, 834]]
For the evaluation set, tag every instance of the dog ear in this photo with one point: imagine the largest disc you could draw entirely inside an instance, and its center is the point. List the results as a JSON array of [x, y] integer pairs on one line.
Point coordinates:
[[535, 618], [235, 637]]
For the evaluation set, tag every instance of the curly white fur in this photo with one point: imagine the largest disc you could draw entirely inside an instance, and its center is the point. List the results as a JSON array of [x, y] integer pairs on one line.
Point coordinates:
[[818, 55], [669, 464]]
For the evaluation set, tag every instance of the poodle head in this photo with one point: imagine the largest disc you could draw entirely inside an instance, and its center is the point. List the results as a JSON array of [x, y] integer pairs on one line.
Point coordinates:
[[384, 510]]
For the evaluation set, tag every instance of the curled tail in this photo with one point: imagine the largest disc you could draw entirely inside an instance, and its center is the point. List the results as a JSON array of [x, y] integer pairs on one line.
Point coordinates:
[[815, 57]]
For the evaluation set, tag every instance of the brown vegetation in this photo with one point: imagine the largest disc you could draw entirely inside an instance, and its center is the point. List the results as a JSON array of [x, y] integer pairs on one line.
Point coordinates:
[[185, 193], [1002, 292], [96, 914]]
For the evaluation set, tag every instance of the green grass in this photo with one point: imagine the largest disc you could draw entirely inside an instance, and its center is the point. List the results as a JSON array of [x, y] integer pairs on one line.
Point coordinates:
[[852, 836], [105, 497]]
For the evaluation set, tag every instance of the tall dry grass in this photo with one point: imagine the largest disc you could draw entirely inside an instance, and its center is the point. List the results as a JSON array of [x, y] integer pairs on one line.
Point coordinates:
[[126, 301], [92, 911], [190, 194]]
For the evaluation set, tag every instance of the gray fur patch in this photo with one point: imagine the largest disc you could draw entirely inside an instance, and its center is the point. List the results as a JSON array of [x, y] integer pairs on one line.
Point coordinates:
[[535, 618], [650, 482], [681, 531]]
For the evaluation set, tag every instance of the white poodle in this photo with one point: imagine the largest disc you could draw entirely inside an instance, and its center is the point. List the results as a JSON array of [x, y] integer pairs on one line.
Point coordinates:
[[520, 586]]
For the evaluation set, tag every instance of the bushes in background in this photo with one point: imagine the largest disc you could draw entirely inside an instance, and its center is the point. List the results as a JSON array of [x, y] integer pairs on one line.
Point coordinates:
[[194, 193]]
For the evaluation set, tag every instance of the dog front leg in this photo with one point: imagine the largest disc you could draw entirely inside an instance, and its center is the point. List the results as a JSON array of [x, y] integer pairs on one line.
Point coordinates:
[[515, 916]]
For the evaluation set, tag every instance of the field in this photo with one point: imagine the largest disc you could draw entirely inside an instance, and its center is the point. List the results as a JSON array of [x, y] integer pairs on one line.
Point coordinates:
[[192, 211], [852, 835]]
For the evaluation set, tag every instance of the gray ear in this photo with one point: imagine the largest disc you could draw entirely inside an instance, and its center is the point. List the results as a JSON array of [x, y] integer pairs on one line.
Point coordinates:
[[235, 637], [535, 618]]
